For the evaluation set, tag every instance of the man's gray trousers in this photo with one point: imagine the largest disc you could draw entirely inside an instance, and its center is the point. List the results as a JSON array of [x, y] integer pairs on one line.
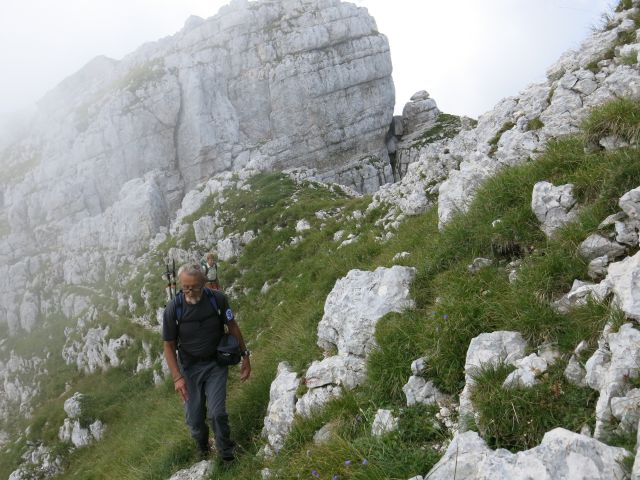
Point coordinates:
[[207, 391]]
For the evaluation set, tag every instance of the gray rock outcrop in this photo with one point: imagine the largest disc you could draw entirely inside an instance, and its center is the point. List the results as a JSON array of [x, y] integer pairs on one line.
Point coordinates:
[[624, 279], [281, 409], [95, 351], [561, 454], [421, 111], [526, 372], [553, 206], [575, 371], [72, 432], [518, 128], [41, 459], [384, 422], [357, 302], [199, 471], [614, 363], [233, 245], [419, 390], [630, 203], [485, 351], [351, 312], [19, 384], [580, 293], [598, 246]]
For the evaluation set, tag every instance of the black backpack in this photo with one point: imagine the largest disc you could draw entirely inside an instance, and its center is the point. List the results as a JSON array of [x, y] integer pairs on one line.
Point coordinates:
[[228, 349]]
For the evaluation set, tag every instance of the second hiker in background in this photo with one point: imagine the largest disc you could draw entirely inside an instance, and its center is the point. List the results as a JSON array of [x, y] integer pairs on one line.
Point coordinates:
[[210, 268]]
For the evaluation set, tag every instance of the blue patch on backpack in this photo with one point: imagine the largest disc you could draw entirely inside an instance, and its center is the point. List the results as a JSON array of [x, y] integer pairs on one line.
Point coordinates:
[[229, 314]]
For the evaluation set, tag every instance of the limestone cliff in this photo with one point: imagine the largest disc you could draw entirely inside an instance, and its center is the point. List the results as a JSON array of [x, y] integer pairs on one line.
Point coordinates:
[[111, 152]]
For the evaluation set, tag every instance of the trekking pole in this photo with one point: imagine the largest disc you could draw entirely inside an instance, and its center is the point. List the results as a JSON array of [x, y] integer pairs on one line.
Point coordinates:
[[168, 275], [173, 281]]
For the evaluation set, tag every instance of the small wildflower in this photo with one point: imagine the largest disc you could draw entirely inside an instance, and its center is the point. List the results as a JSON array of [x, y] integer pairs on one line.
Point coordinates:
[[365, 462], [445, 316], [335, 477], [315, 473], [347, 462]]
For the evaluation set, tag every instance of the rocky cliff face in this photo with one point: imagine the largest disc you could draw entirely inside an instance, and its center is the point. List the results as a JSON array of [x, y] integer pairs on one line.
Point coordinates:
[[114, 147], [448, 169]]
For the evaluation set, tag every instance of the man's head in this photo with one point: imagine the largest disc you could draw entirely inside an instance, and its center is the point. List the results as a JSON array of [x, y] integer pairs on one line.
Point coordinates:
[[192, 281], [211, 258]]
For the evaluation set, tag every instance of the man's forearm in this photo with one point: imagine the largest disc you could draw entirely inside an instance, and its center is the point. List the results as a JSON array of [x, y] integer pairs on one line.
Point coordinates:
[[234, 330], [172, 359]]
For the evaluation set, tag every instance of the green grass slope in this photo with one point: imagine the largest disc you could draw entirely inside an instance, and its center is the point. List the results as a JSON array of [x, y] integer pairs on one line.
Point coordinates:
[[146, 437]]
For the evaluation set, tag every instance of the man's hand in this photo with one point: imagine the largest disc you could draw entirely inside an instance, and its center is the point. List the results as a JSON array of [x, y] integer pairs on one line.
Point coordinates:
[[181, 388], [245, 369]]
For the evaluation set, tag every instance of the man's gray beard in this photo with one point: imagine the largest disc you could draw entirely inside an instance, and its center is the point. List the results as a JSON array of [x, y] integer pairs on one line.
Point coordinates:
[[192, 301]]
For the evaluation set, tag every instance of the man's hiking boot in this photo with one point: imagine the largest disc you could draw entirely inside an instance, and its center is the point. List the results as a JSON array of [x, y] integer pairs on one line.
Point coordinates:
[[229, 456], [204, 450], [226, 462]]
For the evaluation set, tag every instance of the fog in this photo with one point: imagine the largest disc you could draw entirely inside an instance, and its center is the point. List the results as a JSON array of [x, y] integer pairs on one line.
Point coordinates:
[[468, 54]]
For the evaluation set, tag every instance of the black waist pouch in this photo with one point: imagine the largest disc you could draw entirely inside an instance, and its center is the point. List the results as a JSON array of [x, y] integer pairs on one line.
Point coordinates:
[[228, 352]]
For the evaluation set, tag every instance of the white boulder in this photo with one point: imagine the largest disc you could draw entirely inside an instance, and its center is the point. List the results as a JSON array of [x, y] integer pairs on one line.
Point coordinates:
[[478, 264], [384, 422], [95, 351], [233, 245], [553, 206], [526, 372], [456, 193], [597, 246], [485, 351], [624, 279], [420, 113], [41, 460], [609, 369], [598, 267], [302, 225], [324, 434], [199, 471], [561, 454], [421, 391], [580, 294], [626, 410], [346, 370], [281, 408], [317, 398], [575, 372], [627, 231], [630, 203], [419, 365], [357, 302], [73, 405]]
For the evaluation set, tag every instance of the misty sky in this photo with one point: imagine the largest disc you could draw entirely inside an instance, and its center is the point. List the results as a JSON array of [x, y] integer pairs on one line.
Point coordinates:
[[468, 54]]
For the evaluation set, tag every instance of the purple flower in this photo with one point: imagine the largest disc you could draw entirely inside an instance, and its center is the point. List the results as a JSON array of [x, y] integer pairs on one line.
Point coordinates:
[[365, 462], [445, 316], [335, 477], [315, 473], [347, 462]]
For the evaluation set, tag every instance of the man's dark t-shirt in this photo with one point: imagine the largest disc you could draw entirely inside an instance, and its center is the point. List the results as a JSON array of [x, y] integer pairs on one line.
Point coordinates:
[[200, 326]]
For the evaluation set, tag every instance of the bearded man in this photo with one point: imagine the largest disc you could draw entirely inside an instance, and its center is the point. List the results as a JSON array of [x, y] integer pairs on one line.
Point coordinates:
[[199, 380]]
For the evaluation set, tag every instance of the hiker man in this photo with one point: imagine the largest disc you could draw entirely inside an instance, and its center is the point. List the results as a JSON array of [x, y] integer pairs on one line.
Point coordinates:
[[198, 378], [211, 271]]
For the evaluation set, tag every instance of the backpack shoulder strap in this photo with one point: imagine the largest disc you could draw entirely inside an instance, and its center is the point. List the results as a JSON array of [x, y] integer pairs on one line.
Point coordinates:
[[179, 303], [212, 299]]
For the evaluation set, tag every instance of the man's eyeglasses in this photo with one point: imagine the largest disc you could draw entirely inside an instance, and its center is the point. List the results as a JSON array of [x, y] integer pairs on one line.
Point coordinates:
[[191, 288]]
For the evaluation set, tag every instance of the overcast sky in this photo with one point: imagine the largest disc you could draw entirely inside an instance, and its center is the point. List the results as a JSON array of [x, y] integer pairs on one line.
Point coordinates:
[[468, 54]]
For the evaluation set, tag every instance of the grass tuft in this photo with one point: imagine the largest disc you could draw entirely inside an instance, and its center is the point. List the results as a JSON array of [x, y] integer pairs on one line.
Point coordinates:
[[619, 118], [526, 414]]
